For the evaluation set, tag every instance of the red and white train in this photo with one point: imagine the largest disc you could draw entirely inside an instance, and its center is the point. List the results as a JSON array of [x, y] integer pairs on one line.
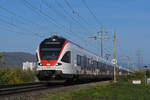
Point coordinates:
[[61, 59]]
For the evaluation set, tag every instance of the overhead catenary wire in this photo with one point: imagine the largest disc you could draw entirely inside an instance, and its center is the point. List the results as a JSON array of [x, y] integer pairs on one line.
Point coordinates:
[[58, 12], [74, 12], [92, 13], [46, 3], [46, 16], [54, 10], [30, 21], [78, 15], [66, 12], [41, 13], [76, 34], [19, 32], [20, 17], [18, 27], [62, 8]]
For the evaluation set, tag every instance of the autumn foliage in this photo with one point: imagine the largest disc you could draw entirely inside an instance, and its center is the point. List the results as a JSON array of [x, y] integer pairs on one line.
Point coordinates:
[[9, 75]]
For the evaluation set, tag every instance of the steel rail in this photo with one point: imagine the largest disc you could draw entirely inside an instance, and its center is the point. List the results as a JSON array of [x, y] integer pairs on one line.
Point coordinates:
[[18, 88], [6, 90]]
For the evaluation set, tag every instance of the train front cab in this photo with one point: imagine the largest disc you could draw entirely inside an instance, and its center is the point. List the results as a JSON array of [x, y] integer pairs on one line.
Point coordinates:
[[54, 59]]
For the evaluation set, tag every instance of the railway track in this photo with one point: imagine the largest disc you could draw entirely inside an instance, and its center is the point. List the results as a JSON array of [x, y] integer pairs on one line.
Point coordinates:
[[35, 90], [28, 87], [19, 88]]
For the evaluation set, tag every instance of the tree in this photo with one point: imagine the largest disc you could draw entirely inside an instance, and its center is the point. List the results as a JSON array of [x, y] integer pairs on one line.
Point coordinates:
[[9, 75], [0, 55], [3, 62]]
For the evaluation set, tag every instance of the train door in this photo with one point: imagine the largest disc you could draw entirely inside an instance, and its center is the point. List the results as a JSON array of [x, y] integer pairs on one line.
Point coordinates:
[[66, 59], [85, 64], [91, 63]]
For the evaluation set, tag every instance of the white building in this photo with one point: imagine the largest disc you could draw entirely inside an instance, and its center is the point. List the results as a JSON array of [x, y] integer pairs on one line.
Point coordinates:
[[29, 65]]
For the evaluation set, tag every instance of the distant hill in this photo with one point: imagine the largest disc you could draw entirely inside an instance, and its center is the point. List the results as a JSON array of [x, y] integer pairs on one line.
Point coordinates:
[[17, 58]]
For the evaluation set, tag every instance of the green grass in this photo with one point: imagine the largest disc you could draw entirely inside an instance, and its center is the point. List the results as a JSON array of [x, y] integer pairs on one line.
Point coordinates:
[[110, 91]]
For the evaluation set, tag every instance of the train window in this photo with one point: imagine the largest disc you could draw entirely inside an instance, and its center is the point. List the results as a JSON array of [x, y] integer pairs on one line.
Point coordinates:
[[95, 64], [67, 57], [78, 60], [99, 64], [102, 64], [88, 62], [84, 61]]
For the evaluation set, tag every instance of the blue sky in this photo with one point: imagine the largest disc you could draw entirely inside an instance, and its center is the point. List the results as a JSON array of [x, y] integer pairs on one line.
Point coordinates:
[[130, 19]]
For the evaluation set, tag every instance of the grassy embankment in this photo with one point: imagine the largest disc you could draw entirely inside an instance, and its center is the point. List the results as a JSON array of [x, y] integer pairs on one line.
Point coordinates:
[[122, 90], [111, 91]]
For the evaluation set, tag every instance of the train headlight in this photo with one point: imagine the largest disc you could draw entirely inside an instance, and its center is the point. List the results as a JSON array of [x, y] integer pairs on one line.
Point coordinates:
[[58, 64], [54, 40], [40, 64]]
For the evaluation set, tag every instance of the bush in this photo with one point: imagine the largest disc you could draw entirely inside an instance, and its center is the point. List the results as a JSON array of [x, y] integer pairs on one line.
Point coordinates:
[[134, 76], [16, 75]]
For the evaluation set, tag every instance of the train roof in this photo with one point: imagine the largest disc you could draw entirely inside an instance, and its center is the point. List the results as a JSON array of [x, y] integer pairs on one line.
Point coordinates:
[[98, 57], [54, 37], [64, 39]]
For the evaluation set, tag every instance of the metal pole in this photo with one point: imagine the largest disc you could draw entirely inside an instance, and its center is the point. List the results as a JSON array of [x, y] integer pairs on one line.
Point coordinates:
[[51, 34], [128, 65], [139, 59], [101, 42], [101, 37], [145, 74], [114, 54], [133, 66]]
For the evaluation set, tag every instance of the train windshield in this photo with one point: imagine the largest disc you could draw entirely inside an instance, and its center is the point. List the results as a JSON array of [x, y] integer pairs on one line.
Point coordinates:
[[50, 50], [50, 53]]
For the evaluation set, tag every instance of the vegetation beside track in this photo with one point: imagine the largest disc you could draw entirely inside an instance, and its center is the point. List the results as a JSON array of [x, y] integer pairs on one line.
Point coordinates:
[[9, 75], [122, 90], [135, 76], [16, 75], [110, 91]]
